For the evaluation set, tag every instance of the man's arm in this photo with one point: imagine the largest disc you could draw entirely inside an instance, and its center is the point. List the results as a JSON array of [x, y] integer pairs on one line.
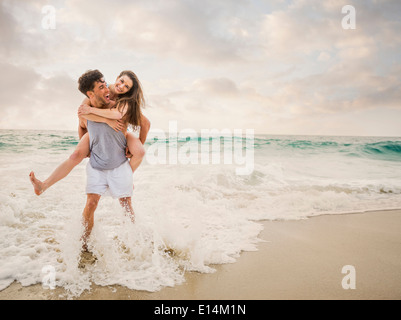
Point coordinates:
[[82, 128]]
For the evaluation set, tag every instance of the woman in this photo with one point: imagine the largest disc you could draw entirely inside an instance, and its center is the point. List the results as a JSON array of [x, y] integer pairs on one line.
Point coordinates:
[[129, 100]]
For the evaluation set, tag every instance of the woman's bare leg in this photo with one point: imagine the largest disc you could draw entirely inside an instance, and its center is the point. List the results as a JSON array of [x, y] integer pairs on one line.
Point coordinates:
[[137, 150], [80, 153]]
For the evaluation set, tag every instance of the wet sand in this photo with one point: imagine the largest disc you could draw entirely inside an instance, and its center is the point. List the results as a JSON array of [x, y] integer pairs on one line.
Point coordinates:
[[297, 260]]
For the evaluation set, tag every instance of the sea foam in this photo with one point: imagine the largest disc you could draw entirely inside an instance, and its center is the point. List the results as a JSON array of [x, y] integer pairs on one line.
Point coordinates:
[[188, 217]]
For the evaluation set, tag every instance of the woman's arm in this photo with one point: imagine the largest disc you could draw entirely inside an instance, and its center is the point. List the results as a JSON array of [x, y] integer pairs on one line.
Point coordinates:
[[114, 114], [87, 102], [114, 124]]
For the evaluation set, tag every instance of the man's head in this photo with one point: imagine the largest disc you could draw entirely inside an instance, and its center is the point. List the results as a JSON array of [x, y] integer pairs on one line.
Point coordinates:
[[92, 85]]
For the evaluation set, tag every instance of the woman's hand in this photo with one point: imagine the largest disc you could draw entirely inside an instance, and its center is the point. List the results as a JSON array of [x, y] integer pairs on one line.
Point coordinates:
[[116, 125], [84, 109], [128, 153]]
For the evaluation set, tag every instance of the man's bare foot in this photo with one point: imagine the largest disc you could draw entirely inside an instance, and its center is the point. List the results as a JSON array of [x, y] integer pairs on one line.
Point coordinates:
[[85, 247], [87, 259], [37, 185]]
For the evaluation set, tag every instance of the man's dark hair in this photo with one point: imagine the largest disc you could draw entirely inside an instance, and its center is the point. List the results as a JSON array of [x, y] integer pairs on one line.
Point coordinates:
[[88, 80]]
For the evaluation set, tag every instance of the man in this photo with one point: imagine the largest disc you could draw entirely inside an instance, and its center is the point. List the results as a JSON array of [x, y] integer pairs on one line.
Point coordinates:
[[108, 168]]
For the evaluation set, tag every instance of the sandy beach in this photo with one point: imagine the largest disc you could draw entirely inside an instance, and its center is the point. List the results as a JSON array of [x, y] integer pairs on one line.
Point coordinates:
[[297, 260]]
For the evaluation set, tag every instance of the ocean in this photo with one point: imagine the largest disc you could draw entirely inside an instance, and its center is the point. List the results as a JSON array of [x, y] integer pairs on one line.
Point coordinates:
[[189, 216]]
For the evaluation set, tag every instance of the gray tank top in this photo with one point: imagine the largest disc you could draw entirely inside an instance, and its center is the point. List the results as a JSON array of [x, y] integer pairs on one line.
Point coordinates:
[[107, 146]]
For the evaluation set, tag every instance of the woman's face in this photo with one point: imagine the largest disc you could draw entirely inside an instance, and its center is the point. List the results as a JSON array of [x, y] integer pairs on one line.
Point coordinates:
[[123, 84]]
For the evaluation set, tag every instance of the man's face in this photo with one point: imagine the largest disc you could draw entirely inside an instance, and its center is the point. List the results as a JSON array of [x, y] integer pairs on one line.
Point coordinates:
[[101, 93]]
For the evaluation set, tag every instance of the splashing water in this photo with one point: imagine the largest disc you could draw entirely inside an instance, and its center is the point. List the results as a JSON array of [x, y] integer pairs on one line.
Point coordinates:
[[188, 217]]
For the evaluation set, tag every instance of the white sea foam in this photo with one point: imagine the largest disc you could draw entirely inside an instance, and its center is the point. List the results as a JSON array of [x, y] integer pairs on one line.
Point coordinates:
[[187, 217]]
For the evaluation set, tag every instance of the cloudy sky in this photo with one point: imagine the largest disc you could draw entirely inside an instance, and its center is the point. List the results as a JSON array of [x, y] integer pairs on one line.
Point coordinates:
[[276, 66]]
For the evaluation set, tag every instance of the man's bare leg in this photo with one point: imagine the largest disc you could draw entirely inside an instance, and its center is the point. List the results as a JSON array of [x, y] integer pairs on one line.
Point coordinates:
[[88, 218], [126, 203], [80, 153]]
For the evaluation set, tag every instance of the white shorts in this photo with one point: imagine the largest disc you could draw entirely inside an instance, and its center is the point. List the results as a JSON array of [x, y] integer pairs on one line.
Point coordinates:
[[117, 182]]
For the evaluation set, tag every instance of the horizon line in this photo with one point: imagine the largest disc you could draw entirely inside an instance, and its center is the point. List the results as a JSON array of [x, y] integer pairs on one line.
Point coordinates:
[[256, 134]]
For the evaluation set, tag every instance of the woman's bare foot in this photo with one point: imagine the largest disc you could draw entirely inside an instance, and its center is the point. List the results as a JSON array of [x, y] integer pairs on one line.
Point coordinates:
[[37, 185]]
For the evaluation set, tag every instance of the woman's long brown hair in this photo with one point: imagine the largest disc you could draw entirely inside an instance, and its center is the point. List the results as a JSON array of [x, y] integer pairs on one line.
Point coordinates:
[[134, 99]]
